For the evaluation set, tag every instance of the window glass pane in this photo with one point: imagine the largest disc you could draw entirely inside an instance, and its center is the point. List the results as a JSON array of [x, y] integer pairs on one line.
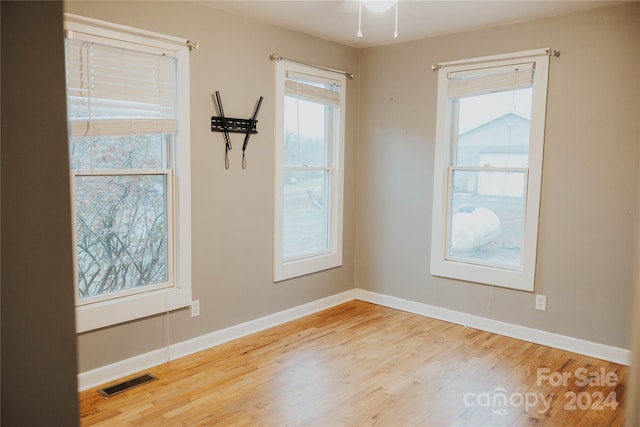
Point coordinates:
[[121, 232], [119, 152], [494, 129], [305, 213], [486, 217], [307, 130]]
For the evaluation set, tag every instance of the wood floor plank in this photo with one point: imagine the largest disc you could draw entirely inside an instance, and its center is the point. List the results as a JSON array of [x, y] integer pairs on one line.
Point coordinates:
[[359, 364]]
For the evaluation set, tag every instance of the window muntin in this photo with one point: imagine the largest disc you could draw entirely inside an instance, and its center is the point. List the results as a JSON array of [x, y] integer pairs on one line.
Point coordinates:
[[127, 90], [488, 170], [309, 175]]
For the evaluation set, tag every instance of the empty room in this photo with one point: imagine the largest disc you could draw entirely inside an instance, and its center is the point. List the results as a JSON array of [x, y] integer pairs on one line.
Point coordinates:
[[320, 213]]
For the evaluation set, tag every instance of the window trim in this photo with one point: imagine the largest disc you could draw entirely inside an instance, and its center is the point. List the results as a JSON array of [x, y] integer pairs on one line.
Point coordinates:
[[284, 269], [109, 312], [524, 278]]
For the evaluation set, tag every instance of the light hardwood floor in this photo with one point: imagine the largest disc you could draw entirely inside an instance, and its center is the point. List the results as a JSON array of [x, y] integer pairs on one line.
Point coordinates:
[[360, 364]]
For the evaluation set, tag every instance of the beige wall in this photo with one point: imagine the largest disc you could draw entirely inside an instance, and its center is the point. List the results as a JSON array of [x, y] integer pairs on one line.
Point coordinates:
[[589, 210], [38, 331], [232, 210]]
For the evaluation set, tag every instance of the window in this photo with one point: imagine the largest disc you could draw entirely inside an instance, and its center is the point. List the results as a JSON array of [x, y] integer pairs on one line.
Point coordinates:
[[488, 168], [309, 172], [128, 114]]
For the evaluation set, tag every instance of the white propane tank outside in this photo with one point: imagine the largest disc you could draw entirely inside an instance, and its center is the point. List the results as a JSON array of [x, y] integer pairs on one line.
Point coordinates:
[[472, 228]]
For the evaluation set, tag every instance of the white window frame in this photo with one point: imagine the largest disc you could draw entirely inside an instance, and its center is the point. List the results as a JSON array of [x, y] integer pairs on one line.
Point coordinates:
[[521, 278], [332, 257], [177, 293]]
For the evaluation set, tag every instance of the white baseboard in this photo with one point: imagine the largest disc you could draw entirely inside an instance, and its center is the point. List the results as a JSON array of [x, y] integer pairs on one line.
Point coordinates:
[[563, 342], [104, 374], [204, 342]]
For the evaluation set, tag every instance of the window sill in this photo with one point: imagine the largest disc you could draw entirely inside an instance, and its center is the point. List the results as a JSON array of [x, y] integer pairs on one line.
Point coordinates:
[[112, 312], [513, 279], [302, 267]]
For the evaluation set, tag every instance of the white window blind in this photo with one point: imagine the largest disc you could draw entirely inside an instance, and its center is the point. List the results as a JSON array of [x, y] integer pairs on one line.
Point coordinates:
[[492, 79], [115, 91], [314, 93]]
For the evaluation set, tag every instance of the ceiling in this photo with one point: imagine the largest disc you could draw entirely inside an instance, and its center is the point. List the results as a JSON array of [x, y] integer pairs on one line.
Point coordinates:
[[337, 20]]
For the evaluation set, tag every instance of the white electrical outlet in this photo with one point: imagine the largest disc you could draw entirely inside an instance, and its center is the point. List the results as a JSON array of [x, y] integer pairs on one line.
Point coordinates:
[[195, 308], [541, 302]]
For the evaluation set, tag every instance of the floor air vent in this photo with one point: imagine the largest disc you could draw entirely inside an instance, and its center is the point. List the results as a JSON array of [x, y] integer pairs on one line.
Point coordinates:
[[127, 385]]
